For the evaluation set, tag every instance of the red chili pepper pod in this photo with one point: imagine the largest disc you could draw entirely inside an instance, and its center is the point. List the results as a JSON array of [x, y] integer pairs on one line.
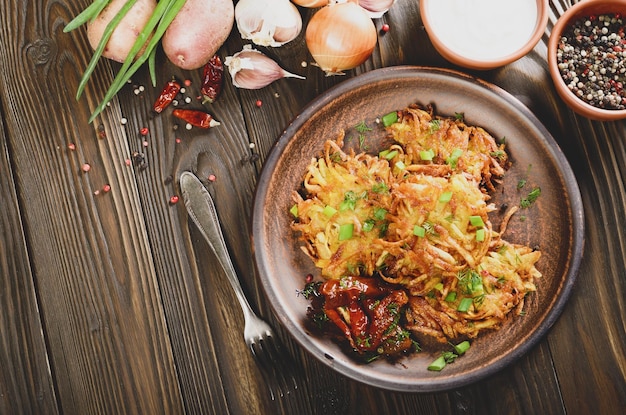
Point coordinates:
[[167, 95], [212, 79], [196, 118]]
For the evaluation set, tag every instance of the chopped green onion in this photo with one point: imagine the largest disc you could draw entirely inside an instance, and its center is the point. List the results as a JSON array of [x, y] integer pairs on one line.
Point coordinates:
[[451, 297], [390, 118], [427, 155], [462, 347], [294, 210], [434, 125], [454, 157], [329, 211], [439, 286], [345, 231], [477, 221], [419, 231], [368, 225], [438, 364], [400, 165], [380, 213], [445, 197], [464, 305], [380, 187], [388, 154], [480, 235]]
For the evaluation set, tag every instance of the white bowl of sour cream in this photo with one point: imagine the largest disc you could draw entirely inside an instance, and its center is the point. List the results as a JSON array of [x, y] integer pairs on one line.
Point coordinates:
[[484, 34]]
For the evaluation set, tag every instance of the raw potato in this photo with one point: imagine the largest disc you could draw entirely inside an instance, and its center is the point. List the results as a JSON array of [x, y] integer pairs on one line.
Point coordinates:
[[125, 34], [198, 31]]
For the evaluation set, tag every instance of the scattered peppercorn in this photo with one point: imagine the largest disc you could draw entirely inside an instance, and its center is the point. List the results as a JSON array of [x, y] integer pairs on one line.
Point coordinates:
[[592, 60], [173, 200], [144, 131], [384, 28]]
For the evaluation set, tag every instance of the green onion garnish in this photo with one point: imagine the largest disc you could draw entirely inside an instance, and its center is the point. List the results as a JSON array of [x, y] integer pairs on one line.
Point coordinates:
[[345, 231], [445, 197], [451, 297], [329, 211], [390, 118], [427, 155], [294, 210], [419, 231], [462, 347], [380, 213], [438, 364], [389, 155], [477, 221], [480, 235], [454, 157], [464, 305]]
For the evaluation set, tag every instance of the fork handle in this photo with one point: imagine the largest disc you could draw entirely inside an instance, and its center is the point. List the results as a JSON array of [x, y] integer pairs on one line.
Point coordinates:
[[201, 209]]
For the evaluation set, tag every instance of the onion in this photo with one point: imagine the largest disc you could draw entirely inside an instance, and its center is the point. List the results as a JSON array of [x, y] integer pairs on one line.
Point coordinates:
[[340, 36], [311, 3]]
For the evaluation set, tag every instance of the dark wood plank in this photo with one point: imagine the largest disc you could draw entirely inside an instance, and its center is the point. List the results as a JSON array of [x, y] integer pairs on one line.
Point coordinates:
[[26, 384], [92, 265], [112, 302]]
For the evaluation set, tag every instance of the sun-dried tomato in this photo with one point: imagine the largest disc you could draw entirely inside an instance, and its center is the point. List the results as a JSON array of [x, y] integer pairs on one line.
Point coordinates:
[[167, 95], [212, 79]]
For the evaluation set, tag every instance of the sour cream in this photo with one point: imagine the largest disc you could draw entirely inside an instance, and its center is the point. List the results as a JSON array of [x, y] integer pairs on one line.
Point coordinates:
[[483, 29]]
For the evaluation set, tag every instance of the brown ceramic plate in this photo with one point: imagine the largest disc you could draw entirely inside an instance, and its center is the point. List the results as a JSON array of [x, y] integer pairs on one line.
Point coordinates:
[[554, 223]]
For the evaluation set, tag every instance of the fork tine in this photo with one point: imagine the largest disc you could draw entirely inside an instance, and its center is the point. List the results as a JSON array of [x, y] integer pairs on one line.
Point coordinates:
[[274, 364], [282, 362]]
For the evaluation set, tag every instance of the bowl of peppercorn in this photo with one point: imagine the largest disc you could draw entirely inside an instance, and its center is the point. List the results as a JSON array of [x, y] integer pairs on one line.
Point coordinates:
[[587, 58]]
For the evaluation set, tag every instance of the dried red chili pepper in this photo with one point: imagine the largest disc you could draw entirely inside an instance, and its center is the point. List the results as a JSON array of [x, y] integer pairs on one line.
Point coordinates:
[[167, 95], [212, 79], [196, 118]]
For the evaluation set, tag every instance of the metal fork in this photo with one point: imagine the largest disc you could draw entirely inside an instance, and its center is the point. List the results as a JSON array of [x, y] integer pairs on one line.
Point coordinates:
[[274, 362]]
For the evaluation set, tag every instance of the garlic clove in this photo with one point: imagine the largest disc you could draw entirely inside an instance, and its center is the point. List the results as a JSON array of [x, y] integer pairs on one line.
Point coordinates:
[[251, 69], [376, 8], [268, 22]]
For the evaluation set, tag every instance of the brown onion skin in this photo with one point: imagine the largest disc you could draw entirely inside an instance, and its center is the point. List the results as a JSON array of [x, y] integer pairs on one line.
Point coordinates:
[[333, 30]]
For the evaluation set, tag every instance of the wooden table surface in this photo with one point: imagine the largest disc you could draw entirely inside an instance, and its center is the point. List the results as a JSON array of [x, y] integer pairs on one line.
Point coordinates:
[[110, 302]]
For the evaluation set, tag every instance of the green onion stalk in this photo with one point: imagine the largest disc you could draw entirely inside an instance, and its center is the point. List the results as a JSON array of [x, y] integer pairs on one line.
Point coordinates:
[[150, 36]]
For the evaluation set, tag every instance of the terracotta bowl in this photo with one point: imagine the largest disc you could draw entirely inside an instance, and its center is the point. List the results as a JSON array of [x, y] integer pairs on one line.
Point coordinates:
[[555, 223], [453, 43], [580, 10]]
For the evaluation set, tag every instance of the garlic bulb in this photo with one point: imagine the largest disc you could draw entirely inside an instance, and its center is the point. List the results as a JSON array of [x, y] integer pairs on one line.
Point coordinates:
[[251, 69], [268, 22], [376, 8]]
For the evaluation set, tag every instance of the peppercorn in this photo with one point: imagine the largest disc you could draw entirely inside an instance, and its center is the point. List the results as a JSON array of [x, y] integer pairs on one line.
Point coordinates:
[[592, 60]]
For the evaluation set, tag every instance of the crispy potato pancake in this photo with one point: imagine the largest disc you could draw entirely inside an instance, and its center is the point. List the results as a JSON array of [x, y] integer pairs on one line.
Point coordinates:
[[413, 218]]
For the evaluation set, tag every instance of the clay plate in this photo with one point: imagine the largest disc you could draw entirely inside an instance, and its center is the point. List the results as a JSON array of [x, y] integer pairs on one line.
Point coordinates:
[[554, 223]]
